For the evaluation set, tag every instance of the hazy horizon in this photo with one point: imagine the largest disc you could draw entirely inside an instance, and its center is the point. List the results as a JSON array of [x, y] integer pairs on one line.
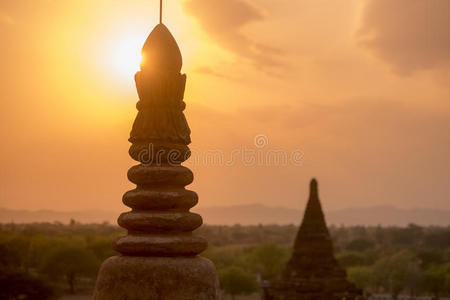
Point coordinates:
[[360, 93], [252, 214]]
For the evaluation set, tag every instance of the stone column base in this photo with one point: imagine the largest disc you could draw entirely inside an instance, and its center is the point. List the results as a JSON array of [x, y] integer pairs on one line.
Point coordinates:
[[157, 278]]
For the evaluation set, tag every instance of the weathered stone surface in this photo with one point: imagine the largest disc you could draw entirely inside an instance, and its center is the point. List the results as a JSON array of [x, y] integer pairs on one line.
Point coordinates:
[[160, 51], [144, 151], [156, 278], [159, 176], [161, 199], [172, 244], [160, 223], [313, 273], [164, 221], [159, 251]]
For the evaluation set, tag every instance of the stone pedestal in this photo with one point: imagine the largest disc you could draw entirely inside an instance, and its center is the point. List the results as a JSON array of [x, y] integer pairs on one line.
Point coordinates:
[[157, 278]]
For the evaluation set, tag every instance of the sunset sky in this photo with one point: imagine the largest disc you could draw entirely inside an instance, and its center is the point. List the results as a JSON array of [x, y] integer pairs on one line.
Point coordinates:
[[360, 87]]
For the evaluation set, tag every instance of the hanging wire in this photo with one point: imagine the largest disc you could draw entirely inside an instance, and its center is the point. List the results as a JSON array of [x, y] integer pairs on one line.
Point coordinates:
[[160, 11]]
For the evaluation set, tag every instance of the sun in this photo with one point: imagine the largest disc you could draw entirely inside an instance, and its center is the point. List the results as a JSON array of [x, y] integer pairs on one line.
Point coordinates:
[[125, 55]]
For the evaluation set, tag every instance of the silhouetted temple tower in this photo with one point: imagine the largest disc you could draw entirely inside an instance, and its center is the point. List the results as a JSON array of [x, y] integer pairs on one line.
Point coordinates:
[[313, 272], [159, 254]]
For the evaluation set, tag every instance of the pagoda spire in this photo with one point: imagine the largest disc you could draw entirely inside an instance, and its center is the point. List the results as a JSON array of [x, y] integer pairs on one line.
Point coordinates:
[[313, 216], [313, 225], [159, 254], [313, 272], [160, 222], [160, 53]]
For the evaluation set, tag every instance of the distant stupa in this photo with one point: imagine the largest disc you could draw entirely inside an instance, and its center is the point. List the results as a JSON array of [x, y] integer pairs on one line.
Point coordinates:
[[313, 272]]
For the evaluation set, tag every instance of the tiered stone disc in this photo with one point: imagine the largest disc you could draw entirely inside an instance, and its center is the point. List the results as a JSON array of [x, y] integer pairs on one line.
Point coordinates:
[[160, 223], [159, 253]]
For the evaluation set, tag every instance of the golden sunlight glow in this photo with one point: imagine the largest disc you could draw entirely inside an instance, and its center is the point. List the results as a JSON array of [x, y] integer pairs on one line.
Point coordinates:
[[125, 55]]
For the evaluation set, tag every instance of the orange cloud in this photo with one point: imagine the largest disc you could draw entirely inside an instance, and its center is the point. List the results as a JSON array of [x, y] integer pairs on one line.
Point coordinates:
[[410, 35], [224, 21]]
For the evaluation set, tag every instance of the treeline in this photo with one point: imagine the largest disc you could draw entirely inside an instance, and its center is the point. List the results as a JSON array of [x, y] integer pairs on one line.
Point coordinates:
[[413, 259], [45, 260]]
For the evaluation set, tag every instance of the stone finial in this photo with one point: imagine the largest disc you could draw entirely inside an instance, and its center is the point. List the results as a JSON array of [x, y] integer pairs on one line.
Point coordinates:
[[160, 125], [160, 223], [160, 52], [159, 253]]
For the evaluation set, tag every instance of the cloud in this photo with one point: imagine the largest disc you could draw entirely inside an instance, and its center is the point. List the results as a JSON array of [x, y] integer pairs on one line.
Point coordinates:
[[411, 35], [210, 71], [224, 21], [368, 150]]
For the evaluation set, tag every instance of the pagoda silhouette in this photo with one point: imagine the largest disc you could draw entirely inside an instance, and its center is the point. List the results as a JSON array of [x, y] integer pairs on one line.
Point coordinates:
[[313, 273], [159, 256]]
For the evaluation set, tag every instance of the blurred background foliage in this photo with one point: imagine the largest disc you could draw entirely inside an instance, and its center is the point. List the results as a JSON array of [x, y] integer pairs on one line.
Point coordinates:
[[47, 260]]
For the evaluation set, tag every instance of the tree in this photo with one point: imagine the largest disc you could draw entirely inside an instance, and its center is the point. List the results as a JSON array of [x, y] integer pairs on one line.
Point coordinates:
[[14, 251], [236, 281], [436, 280], [361, 277], [9, 258], [351, 259], [269, 260], [100, 247], [21, 285], [70, 262], [430, 257], [397, 272], [359, 245]]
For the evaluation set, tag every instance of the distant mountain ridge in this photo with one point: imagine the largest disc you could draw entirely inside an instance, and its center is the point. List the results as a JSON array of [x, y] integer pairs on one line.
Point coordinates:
[[377, 215], [253, 214]]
